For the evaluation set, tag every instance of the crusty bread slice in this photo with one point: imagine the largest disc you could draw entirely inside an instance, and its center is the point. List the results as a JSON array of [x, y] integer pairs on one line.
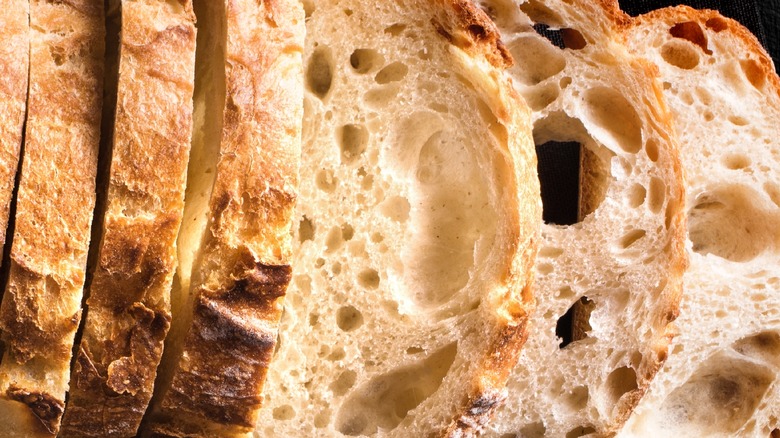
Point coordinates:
[[723, 374], [128, 310], [417, 226], [618, 270], [41, 308], [14, 70], [217, 361]]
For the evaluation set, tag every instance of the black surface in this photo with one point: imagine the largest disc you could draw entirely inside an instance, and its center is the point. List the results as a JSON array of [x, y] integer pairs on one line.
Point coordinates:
[[559, 175]]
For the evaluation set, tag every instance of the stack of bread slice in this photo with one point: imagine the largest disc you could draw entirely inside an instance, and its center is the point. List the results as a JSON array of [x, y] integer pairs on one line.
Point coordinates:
[[324, 218]]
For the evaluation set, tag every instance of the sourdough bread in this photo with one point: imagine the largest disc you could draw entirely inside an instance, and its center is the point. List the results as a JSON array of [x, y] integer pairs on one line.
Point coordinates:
[[128, 310], [14, 70], [416, 226], [240, 255], [723, 375], [41, 307], [617, 272]]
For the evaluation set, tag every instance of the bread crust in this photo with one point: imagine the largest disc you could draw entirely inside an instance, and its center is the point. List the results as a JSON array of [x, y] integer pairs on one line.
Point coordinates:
[[244, 265], [129, 305], [14, 70], [41, 308]]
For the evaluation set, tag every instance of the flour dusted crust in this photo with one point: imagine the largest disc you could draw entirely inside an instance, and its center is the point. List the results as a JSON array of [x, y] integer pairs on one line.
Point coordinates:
[[618, 271], [42, 303], [129, 303], [242, 267], [721, 378], [14, 68], [416, 227]]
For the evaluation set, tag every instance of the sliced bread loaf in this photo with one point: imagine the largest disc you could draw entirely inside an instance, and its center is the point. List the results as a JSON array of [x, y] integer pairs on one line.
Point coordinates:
[[128, 311], [416, 226], [41, 307], [14, 70], [723, 374], [608, 286], [235, 244]]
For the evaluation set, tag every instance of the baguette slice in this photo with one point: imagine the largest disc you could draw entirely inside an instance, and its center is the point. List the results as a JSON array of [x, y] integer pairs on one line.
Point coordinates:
[[417, 226], [618, 271], [41, 308], [14, 70], [219, 354], [723, 375], [128, 312]]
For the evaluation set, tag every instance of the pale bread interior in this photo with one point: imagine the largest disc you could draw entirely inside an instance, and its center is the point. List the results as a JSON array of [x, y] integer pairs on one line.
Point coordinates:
[[405, 211], [723, 373]]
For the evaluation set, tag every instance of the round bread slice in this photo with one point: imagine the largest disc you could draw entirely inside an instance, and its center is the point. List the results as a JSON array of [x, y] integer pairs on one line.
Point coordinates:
[[609, 281], [723, 374], [417, 225]]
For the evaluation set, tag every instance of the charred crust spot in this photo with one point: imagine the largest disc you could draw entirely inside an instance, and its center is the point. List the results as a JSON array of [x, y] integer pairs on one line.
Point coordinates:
[[46, 408], [260, 282], [691, 31], [478, 32]]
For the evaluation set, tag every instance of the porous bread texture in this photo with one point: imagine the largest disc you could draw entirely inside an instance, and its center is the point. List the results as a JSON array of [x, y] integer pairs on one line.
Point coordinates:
[[238, 220], [56, 195], [129, 296], [722, 378], [14, 69], [626, 254], [416, 227]]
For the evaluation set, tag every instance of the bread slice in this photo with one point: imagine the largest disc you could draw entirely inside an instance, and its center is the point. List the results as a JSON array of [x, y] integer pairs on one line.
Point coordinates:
[[722, 376], [617, 272], [218, 358], [128, 310], [42, 303], [14, 71], [417, 225]]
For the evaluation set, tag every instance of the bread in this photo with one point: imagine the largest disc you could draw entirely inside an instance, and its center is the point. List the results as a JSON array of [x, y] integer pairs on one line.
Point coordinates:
[[721, 378], [416, 226], [42, 303], [14, 69], [213, 376], [617, 271], [128, 312]]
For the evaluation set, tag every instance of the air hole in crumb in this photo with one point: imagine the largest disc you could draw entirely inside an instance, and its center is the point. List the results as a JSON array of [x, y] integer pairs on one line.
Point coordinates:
[[347, 232], [313, 319], [754, 73], [308, 7], [764, 346], [680, 54], [533, 430], [651, 149], [284, 413], [391, 73], [577, 399], [573, 39], [319, 72], [395, 29], [396, 208], [574, 325], [631, 238], [414, 350], [344, 382], [365, 60], [580, 431], [377, 237], [729, 223], [369, 279], [335, 269], [717, 24], [773, 191], [691, 31], [57, 55], [325, 180], [353, 140], [306, 229], [349, 318], [620, 382], [616, 118], [551, 61], [775, 433], [738, 120], [384, 401], [334, 240], [736, 161], [656, 194], [348, 12], [559, 175], [636, 195]]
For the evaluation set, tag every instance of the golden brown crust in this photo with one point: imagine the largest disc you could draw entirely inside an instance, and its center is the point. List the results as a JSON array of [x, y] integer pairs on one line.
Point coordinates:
[[129, 304], [243, 268], [41, 308], [470, 29], [763, 69], [14, 67]]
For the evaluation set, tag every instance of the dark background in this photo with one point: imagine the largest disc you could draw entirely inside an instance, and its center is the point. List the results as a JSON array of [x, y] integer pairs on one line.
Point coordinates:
[[762, 17]]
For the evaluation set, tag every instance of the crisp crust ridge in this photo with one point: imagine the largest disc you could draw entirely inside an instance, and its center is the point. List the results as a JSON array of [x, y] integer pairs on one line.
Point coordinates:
[[129, 304]]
